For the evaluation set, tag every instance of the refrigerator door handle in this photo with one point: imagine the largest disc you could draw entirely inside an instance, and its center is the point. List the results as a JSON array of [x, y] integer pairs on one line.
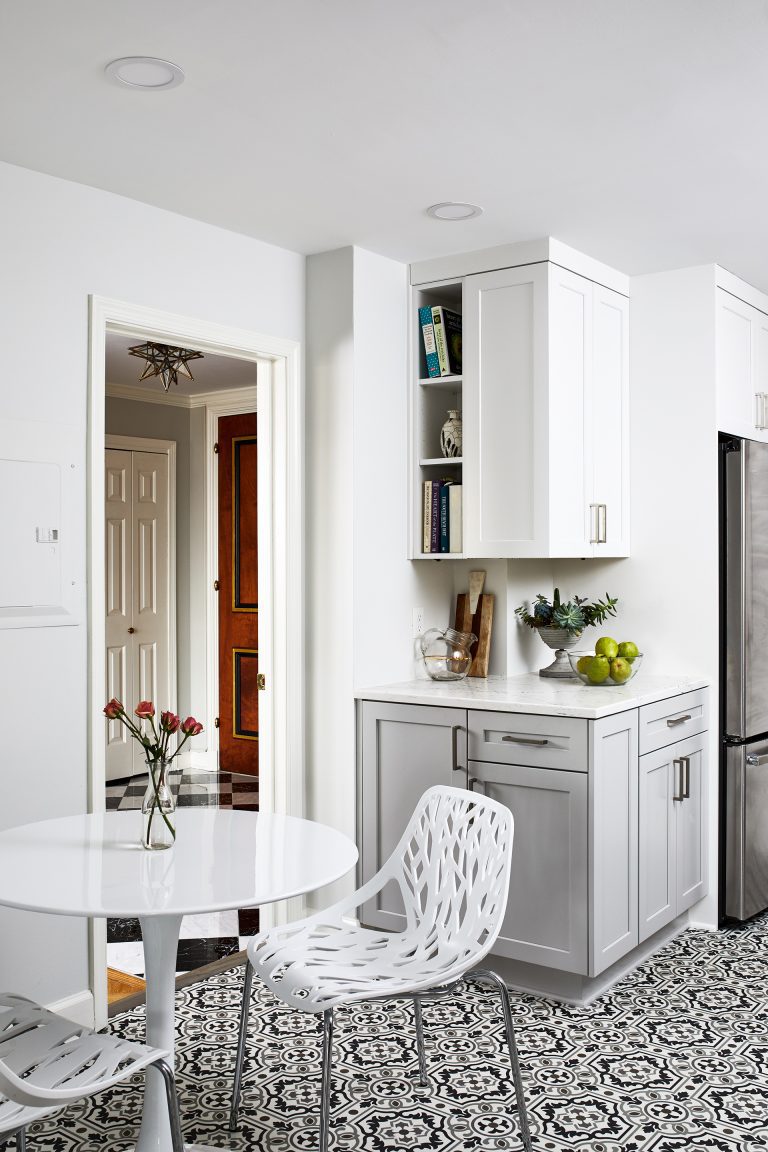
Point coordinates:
[[678, 764], [758, 760]]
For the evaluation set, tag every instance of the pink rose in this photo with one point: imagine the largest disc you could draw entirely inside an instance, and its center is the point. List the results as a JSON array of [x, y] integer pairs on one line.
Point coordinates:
[[169, 722], [191, 727], [113, 709], [145, 710]]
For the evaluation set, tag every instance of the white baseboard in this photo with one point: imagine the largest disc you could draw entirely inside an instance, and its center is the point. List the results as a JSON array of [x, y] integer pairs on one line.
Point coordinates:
[[78, 1008]]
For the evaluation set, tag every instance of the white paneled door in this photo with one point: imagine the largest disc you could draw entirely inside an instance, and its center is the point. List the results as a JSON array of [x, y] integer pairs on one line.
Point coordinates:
[[137, 593]]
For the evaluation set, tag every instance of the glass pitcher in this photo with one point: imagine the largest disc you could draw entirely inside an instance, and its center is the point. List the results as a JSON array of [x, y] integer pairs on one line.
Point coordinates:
[[447, 655]]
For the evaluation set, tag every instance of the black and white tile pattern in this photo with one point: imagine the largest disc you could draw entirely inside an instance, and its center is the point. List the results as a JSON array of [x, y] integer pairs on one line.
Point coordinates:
[[673, 1059], [204, 938]]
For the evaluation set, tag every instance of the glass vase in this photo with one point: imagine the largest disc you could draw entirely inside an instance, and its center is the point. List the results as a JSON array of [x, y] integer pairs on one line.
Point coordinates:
[[158, 810]]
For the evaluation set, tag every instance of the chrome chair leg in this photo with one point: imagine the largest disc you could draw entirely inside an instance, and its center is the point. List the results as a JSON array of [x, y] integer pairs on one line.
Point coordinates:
[[21, 1140], [325, 1098], [177, 1140], [423, 1078], [522, 1112], [247, 978]]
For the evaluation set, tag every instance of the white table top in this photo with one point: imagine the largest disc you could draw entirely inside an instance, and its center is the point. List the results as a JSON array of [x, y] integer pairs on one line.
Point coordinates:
[[95, 866]]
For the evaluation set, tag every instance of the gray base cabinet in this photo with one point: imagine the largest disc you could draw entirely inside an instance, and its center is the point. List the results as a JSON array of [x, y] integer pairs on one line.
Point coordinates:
[[406, 748], [546, 918], [672, 830], [609, 845]]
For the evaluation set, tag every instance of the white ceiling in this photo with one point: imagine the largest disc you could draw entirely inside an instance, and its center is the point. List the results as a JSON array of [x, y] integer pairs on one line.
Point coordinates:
[[631, 129]]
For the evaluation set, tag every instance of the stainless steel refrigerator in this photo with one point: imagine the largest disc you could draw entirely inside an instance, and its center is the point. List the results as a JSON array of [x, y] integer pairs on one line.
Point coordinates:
[[744, 677]]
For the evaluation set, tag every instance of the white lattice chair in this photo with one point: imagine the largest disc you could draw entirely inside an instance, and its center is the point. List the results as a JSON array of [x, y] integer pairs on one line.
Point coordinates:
[[47, 1062], [452, 866]]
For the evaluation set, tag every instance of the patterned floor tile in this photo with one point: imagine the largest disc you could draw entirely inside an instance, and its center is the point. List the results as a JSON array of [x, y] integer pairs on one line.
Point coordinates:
[[651, 1066]]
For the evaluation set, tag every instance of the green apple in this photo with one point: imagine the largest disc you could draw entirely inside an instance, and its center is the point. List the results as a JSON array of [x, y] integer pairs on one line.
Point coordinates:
[[599, 668], [621, 670], [628, 650], [605, 646]]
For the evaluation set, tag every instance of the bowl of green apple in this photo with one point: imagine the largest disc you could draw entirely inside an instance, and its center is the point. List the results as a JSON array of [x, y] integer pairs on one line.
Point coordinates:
[[612, 662]]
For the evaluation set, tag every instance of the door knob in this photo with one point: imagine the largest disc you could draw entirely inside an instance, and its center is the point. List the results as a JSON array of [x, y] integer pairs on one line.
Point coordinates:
[[131, 631]]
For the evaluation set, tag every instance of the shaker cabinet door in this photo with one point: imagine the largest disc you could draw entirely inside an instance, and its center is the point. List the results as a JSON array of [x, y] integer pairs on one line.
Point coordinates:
[[742, 367], [692, 828], [608, 416], [673, 832], [546, 921], [657, 844], [505, 428], [406, 749]]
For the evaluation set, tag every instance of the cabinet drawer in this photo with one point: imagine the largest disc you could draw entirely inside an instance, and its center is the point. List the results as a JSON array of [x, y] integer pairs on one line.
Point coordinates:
[[534, 741], [677, 718]]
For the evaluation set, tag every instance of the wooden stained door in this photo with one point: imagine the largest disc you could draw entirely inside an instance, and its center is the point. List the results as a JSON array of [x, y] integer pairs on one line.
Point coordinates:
[[238, 596]]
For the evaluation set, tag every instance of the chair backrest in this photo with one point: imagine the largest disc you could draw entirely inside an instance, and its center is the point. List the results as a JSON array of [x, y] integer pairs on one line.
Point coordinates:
[[453, 866]]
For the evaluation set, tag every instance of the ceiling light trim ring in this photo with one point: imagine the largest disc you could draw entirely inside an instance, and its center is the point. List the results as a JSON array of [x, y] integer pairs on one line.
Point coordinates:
[[454, 211], [169, 75]]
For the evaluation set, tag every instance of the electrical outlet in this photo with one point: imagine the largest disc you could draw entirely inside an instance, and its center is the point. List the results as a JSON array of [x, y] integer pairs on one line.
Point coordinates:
[[418, 621]]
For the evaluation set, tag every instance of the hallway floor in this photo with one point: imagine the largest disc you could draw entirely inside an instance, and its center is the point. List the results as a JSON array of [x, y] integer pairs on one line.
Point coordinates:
[[207, 937]]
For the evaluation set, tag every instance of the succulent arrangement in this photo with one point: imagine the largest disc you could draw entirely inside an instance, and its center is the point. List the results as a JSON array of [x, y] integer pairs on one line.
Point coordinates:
[[573, 615]]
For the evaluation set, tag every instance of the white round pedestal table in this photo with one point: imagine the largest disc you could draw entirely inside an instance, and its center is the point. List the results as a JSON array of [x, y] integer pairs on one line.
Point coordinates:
[[95, 866]]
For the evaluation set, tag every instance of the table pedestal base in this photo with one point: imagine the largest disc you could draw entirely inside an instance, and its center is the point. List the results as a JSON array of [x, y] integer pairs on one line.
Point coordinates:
[[161, 938]]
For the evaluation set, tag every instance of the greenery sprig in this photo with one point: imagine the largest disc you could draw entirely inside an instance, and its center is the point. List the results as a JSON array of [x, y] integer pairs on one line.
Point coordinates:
[[574, 615]]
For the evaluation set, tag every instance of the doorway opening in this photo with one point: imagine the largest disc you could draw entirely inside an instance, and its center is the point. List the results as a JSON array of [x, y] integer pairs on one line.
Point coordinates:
[[270, 542]]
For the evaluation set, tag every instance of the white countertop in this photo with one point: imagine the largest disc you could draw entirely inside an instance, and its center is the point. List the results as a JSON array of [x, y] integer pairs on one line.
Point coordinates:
[[534, 694]]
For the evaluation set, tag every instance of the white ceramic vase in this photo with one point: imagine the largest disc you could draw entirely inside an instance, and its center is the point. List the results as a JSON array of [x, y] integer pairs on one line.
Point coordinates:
[[450, 434]]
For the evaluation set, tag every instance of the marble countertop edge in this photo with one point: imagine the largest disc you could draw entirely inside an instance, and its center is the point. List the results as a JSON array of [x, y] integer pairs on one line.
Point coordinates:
[[534, 694]]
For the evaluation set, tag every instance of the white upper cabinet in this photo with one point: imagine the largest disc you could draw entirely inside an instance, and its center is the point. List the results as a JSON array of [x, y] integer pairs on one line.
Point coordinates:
[[742, 367], [546, 422]]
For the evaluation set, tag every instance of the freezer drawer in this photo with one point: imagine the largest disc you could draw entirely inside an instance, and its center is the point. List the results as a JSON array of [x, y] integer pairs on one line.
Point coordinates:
[[677, 718], [746, 830], [558, 742]]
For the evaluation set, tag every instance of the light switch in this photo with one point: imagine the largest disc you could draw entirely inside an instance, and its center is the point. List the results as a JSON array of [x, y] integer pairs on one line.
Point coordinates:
[[47, 535]]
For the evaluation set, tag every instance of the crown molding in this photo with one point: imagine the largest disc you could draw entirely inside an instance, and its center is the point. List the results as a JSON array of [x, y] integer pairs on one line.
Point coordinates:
[[217, 397]]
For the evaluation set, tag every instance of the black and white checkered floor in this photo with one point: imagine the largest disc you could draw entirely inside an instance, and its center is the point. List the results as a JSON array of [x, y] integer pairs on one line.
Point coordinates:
[[674, 1058], [204, 938]]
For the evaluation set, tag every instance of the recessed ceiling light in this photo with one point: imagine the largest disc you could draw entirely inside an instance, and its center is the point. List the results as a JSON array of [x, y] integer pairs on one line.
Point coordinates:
[[145, 72], [452, 210]]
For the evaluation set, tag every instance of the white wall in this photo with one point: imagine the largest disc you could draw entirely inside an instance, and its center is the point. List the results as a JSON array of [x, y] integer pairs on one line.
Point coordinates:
[[61, 242]]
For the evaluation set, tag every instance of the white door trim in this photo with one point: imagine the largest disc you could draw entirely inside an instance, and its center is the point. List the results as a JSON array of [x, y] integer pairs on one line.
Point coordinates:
[[164, 448], [282, 789]]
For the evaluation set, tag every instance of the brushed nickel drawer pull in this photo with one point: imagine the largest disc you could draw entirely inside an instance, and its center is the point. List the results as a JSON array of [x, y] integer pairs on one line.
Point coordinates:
[[523, 740], [679, 720]]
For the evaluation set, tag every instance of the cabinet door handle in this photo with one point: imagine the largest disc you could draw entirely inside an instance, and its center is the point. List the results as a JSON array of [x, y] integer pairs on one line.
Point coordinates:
[[679, 720], [455, 729], [678, 764], [472, 781], [594, 537], [760, 410], [602, 523], [686, 777], [533, 743]]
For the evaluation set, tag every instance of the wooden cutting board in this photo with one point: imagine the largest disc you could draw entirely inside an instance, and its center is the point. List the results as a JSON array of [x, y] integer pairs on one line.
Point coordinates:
[[481, 624]]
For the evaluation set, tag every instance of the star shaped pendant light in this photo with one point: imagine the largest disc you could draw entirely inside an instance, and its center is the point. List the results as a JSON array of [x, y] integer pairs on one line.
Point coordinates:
[[165, 361]]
